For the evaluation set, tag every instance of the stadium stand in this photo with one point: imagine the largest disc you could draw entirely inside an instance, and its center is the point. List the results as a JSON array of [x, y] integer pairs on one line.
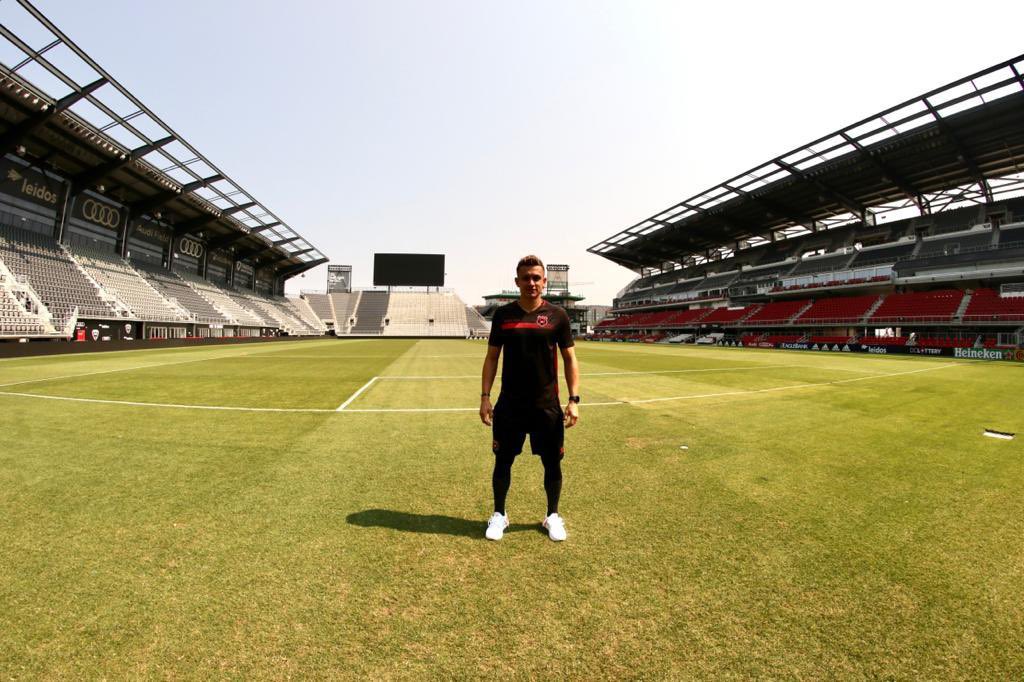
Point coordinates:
[[273, 310], [223, 301], [987, 305], [174, 288], [838, 310], [476, 323], [303, 311], [778, 312], [370, 312], [425, 314], [321, 305], [728, 315], [344, 306], [959, 242], [59, 284], [126, 285], [824, 263], [15, 320], [883, 253], [59, 224], [919, 306]]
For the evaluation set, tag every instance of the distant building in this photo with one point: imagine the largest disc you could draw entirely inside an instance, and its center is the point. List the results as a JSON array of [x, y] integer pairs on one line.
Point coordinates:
[[577, 314]]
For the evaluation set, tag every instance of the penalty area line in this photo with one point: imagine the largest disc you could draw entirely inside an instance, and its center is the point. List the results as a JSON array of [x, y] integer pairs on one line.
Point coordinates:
[[341, 408], [321, 410]]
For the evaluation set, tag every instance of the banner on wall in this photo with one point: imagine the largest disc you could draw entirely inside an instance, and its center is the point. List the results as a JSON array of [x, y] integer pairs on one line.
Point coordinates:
[[30, 185], [153, 233], [99, 212]]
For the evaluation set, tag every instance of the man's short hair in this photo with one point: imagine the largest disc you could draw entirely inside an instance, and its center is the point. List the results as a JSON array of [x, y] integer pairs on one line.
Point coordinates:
[[529, 262]]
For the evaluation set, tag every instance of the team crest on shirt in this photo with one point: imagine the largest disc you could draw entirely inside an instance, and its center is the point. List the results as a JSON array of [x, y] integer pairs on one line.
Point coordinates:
[[542, 320]]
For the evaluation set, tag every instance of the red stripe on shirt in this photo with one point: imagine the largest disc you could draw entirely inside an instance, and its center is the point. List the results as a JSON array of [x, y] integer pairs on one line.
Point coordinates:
[[554, 357], [520, 325]]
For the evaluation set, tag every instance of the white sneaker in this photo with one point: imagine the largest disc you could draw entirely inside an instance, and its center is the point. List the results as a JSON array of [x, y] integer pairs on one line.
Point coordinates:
[[496, 526], [555, 526]]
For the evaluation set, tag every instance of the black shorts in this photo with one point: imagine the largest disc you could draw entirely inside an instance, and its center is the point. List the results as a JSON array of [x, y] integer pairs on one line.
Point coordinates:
[[543, 424]]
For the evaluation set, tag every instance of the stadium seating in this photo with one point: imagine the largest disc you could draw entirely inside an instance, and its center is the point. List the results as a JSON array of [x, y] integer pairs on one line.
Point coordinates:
[[425, 314], [278, 311], [825, 263], [477, 324], [122, 282], [777, 312], [223, 301], [344, 306], [955, 243], [321, 305], [174, 288], [986, 305], [921, 306], [727, 315], [844, 309], [302, 311], [15, 320], [887, 253], [56, 279], [684, 318], [373, 306]]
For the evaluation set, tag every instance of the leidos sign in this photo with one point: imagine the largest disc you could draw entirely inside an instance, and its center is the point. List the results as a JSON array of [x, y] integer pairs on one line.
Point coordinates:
[[31, 185], [989, 354]]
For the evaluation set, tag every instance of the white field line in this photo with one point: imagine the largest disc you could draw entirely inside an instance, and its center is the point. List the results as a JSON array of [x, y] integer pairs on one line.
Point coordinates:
[[355, 395], [140, 351], [111, 371], [401, 377], [228, 408], [225, 408]]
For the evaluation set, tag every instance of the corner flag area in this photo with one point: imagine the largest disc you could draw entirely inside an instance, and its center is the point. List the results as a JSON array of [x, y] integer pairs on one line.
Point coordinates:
[[316, 509]]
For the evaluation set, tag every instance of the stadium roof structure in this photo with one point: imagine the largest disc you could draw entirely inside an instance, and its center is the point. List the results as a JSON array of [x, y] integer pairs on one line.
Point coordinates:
[[58, 105], [961, 143]]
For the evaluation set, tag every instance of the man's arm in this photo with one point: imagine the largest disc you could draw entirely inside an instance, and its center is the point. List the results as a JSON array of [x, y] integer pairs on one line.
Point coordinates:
[[486, 382], [572, 380]]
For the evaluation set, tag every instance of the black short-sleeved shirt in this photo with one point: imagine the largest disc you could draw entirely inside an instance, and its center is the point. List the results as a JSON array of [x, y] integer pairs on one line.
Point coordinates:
[[529, 372]]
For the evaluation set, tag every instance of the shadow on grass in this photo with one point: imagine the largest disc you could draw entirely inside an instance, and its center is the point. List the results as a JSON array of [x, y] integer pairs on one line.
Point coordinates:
[[430, 523]]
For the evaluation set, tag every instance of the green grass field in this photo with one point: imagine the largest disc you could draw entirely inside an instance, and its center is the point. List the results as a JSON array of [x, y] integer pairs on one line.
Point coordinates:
[[834, 516]]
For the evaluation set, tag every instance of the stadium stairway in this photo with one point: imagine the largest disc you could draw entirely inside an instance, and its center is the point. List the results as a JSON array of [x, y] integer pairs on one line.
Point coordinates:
[[372, 307], [344, 306], [958, 316], [871, 311]]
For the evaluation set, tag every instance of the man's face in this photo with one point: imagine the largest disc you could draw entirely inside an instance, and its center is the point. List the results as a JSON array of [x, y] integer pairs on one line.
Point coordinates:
[[531, 281]]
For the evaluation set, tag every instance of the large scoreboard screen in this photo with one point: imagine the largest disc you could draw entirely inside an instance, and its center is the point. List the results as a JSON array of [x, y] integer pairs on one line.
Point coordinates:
[[408, 269]]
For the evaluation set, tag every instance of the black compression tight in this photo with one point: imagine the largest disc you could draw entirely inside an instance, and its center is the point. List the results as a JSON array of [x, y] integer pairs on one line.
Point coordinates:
[[501, 479]]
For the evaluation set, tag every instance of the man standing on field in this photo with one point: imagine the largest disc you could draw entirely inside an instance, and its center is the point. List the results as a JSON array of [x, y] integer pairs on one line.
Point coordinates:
[[529, 330]]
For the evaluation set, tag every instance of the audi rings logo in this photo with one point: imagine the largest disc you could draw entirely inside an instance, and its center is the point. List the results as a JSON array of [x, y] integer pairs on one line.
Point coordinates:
[[101, 214], [190, 247]]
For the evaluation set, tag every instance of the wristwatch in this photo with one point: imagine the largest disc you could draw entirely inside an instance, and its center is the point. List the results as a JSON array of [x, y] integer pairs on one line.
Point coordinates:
[[574, 399]]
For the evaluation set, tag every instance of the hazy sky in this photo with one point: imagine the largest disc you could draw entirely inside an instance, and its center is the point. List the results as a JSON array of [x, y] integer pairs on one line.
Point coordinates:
[[486, 131]]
